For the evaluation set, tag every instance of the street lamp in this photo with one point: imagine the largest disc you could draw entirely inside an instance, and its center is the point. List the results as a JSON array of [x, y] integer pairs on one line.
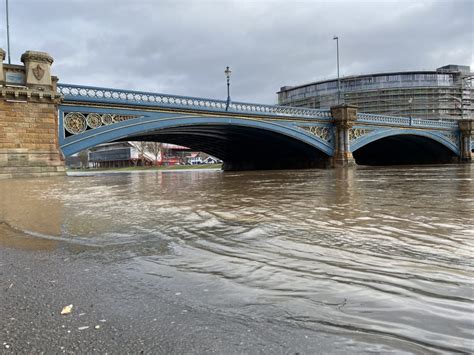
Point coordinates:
[[227, 72], [8, 32], [338, 81]]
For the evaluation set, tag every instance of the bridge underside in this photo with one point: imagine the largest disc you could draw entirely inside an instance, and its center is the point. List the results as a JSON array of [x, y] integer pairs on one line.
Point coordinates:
[[242, 148], [404, 150]]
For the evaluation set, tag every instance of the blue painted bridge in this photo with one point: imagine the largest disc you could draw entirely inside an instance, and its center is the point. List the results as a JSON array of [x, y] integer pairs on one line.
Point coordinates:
[[255, 136]]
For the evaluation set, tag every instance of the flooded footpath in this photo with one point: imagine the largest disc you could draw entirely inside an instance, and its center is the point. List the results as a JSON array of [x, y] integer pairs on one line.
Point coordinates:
[[309, 261]]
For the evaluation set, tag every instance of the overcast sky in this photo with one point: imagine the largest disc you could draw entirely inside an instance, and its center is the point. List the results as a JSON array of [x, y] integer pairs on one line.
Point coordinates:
[[183, 46]]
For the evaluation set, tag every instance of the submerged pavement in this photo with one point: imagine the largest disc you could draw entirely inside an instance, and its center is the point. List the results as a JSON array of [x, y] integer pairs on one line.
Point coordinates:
[[115, 311]]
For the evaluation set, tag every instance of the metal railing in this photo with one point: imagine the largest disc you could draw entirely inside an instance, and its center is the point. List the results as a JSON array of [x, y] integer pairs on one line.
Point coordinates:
[[81, 93], [406, 121]]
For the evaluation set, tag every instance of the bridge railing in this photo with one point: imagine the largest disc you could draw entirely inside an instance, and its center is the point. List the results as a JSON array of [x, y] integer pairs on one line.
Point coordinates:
[[79, 93], [406, 121]]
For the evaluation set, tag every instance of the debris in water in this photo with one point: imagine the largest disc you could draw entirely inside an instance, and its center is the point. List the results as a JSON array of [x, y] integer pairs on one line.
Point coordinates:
[[67, 310]]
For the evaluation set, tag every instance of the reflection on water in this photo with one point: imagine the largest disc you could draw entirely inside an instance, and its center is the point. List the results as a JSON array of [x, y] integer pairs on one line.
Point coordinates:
[[381, 256]]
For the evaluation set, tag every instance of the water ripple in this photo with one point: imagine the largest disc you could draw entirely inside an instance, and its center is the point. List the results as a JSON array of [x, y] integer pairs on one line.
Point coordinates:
[[376, 255]]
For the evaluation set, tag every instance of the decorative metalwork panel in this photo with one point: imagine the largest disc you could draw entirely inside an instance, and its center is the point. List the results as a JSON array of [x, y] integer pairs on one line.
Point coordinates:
[[105, 95], [370, 118], [452, 137], [94, 120], [323, 133], [77, 122], [435, 123], [406, 121], [356, 133]]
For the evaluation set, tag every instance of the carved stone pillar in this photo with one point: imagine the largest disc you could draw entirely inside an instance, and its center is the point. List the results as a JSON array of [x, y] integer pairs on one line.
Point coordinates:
[[344, 118], [29, 120], [466, 127], [37, 69]]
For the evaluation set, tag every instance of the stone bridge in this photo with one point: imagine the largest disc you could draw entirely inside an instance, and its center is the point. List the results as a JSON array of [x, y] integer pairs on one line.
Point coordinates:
[[42, 121]]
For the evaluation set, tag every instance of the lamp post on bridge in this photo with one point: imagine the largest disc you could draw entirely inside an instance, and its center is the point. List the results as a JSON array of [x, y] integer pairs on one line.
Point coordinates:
[[227, 72], [338, 80]]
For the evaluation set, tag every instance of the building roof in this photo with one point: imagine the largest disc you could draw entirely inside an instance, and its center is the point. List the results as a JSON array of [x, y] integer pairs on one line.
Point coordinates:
[[450, 68]]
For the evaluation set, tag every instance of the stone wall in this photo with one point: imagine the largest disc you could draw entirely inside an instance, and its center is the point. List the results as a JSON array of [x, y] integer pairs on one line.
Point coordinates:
[[28, 119]]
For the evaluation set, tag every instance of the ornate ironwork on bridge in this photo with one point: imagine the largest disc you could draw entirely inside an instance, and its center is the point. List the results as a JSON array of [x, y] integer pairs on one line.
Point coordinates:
[[77, 122], [137, 98], [90, 115], [65, 119]]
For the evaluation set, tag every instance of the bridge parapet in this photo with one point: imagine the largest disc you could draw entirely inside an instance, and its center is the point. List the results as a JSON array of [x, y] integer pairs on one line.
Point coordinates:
[[406, 121], [90, 94]]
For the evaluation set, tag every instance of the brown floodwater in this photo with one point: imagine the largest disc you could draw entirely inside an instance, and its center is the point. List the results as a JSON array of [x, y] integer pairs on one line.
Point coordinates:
[[381, 259]]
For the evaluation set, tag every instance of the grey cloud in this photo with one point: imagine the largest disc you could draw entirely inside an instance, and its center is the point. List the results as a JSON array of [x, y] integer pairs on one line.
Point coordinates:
[[182, 47]]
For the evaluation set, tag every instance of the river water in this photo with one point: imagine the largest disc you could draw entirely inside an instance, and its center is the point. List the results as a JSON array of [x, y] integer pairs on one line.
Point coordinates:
[[379, 259]]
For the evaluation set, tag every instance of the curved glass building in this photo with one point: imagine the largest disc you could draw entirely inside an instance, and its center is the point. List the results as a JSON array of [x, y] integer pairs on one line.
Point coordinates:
[[443, 93]]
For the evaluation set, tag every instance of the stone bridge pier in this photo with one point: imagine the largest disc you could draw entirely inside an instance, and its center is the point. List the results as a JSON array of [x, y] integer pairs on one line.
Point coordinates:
[[345, 117], [29, 118], [467, 137]]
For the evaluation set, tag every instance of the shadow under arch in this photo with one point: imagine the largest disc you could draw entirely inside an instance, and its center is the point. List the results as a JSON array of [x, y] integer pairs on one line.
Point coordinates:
[[402, 147], [243, 144]]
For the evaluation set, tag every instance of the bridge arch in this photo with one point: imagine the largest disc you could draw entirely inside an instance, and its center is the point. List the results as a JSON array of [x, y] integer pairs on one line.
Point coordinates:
[[402, 146], [241, 143]]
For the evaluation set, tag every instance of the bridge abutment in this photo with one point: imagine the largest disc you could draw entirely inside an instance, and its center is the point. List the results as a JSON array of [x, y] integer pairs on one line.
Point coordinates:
[[467, 135], [344, 118], [29, 118]]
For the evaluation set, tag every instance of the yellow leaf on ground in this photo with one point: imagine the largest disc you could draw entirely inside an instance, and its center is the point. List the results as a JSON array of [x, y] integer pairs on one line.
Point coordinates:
[[67, 309]]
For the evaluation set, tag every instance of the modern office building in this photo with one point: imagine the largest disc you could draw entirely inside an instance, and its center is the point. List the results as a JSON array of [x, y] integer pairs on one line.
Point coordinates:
[[127, 154], [442, 93], [117, 155]]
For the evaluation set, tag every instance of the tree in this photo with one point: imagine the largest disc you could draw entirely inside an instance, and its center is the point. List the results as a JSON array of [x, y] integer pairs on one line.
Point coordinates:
[[155, 148], [141, 147], [84, 158]]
